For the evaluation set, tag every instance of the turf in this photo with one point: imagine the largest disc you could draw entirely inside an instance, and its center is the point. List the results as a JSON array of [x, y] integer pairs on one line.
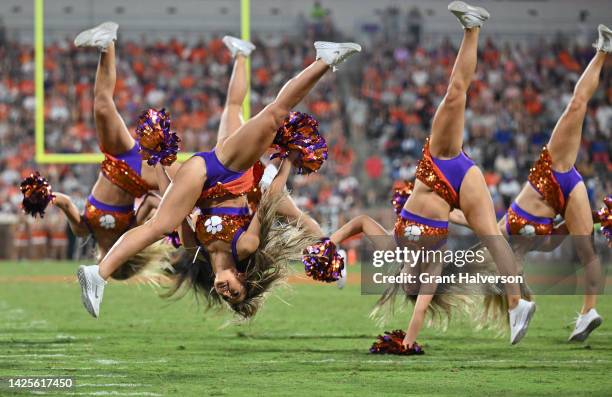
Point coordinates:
[[310, 340]]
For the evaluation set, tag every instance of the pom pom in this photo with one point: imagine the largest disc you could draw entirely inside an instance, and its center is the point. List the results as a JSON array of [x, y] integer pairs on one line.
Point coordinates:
[[300, 133], [37, 194], [157, 143], [605, 217], [401, 191], [391, 343], [174, 239], [322, 262]]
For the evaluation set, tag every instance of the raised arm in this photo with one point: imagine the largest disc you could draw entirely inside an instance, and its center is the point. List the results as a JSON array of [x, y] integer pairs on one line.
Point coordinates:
[[249, 241], [64, 203], [360, 224]]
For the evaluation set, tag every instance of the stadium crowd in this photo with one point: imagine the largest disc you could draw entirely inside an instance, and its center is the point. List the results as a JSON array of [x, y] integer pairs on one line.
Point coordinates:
[[375, 116]]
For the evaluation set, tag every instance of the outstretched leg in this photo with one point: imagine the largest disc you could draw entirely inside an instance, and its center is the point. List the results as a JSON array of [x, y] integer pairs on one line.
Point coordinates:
[[231, 118], [243, 148], [448, 123], [113, 136], [565, 140], [477, 205]]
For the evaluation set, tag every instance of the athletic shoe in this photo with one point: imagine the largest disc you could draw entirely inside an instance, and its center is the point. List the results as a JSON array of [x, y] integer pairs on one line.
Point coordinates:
[[238, 46], [585, 324], [604, 43], [92, 288], [342, 280], [100, 36], [519, 320], [334, 54], [468, 16]]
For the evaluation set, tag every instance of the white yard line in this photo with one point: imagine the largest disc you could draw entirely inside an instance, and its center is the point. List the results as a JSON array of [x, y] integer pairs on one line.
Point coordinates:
[[111, 384], [422, 361], [34, 355], [114, 393]]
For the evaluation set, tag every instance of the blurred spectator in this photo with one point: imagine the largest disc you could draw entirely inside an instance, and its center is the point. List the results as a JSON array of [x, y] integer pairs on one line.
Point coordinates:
[[375, 115]]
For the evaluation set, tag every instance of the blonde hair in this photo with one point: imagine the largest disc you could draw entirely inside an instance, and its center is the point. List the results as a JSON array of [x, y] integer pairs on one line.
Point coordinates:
[[150, 262], [448, 298], [280, 242], [486, 304]]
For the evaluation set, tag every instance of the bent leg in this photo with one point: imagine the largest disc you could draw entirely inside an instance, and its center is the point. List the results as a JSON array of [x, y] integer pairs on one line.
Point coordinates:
[[231, 118], [580, 226], [564, 142], [448, 122], [477, 205], [244, 147], [113, 136]]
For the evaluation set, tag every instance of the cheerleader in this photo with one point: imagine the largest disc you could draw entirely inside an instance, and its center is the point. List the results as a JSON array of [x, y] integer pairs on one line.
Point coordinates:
[[287, 231], [555, 187], [124, 173], [447, 179], [217, 183]]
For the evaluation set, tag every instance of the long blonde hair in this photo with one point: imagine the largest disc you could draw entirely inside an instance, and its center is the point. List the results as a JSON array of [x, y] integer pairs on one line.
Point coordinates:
[[280, 242], [486, 304], [150, 262], [448, 298]]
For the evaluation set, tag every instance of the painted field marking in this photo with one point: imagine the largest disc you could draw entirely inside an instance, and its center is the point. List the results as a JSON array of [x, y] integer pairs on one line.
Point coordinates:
[[421, 361], [34, 355], [114, 393], [101, 393], [112, 384]]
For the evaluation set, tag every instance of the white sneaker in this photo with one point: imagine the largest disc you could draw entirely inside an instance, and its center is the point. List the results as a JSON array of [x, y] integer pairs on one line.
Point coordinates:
[[519, 320], [585, 324], [92, 288], [604, 43], [343, 276], [100, 36], [238, 46], [334, 54], [468, 16]]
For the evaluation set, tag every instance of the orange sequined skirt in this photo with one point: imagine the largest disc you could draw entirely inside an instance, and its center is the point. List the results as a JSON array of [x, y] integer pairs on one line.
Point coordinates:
[[247, 184], [122, 175], [430, 174], [542, 179]]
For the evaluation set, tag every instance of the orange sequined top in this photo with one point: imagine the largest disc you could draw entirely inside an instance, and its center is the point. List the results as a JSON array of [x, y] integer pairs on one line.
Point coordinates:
[[104, 220], [223, 224], [520, 222], [412, 226], [226, 223]]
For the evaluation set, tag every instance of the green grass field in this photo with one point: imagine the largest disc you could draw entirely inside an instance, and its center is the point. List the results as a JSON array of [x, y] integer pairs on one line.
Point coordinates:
[[309, 340]]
